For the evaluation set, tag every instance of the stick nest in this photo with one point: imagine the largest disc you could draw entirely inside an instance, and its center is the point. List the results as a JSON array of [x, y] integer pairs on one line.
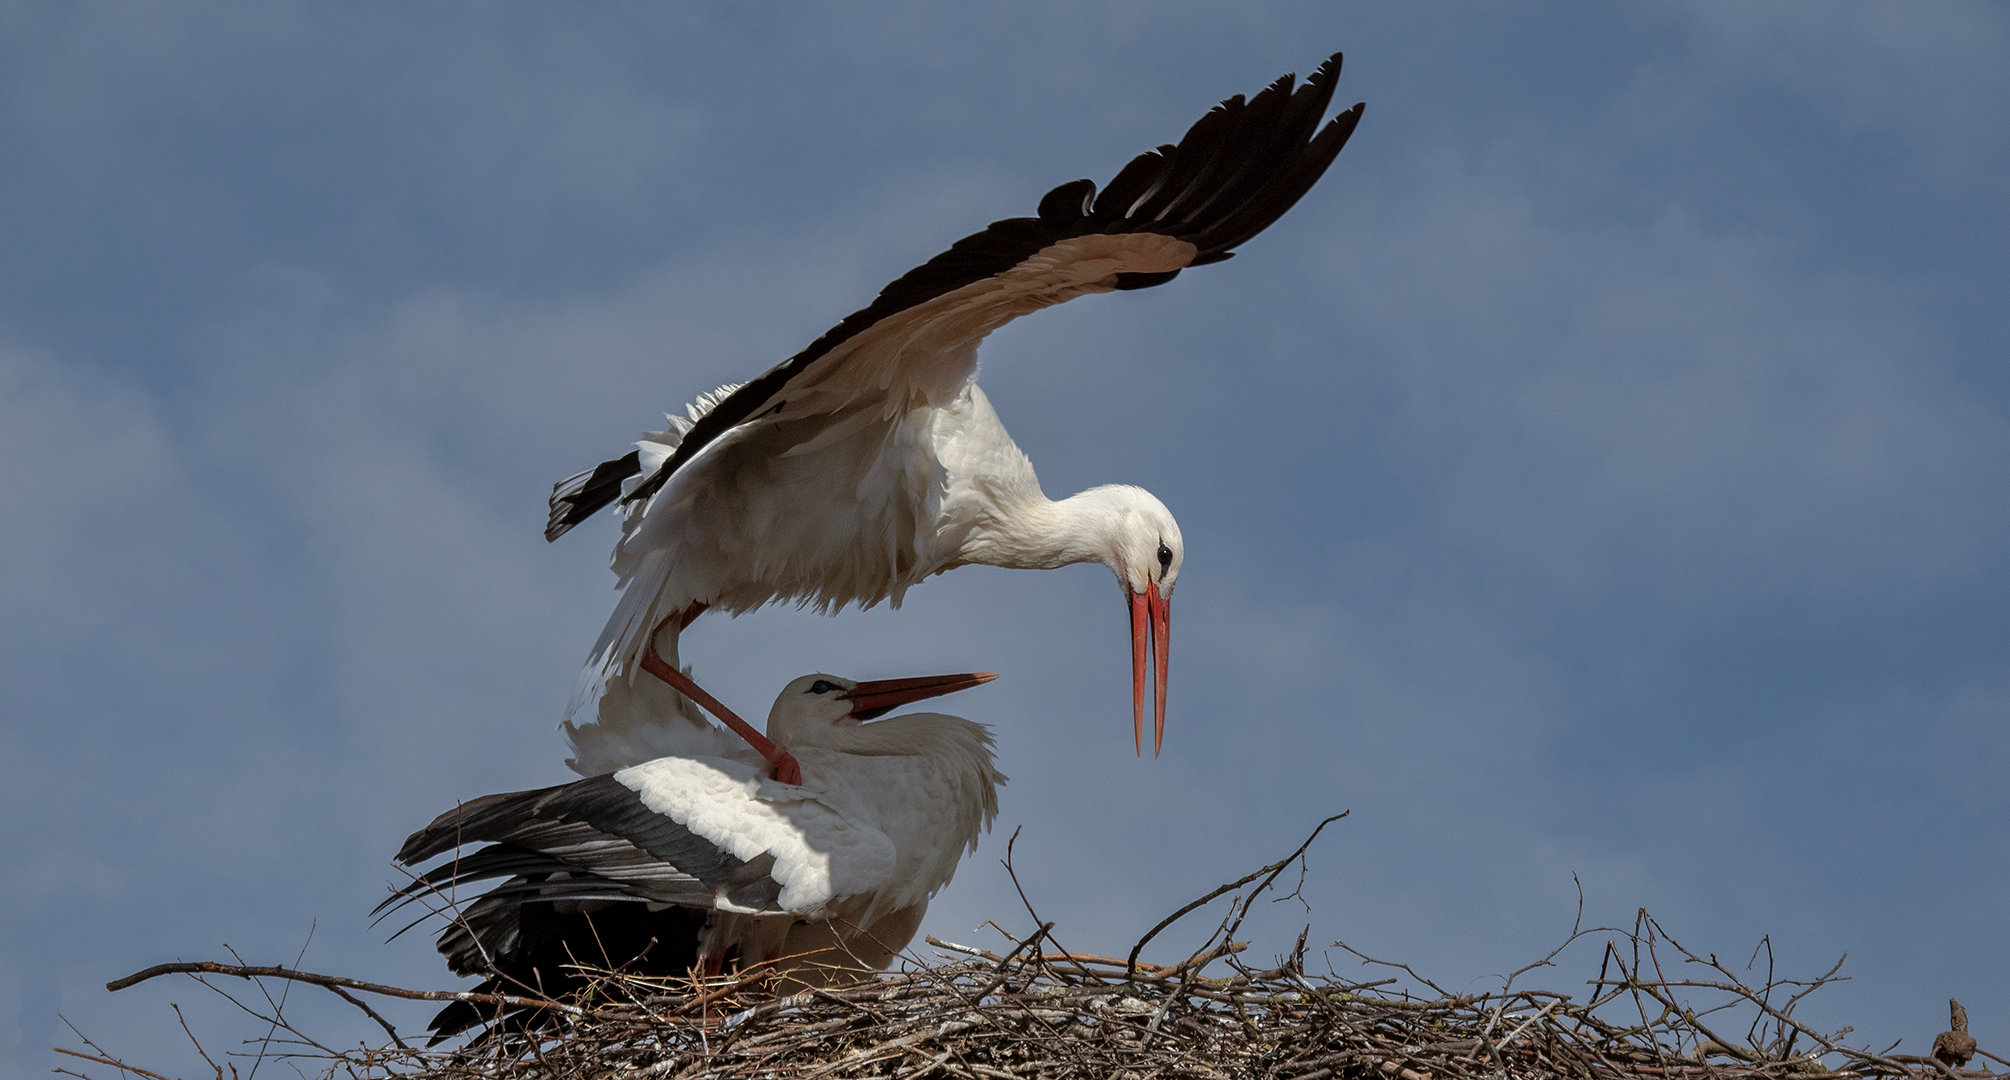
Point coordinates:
[[1653, 1009]]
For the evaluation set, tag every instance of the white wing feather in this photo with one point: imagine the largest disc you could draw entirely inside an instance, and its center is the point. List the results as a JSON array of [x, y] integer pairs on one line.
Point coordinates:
[[822, 500], [820, 855]]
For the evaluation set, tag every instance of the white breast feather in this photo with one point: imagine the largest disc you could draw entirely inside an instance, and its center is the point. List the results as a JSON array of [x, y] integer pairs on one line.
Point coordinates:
[[928, 783]]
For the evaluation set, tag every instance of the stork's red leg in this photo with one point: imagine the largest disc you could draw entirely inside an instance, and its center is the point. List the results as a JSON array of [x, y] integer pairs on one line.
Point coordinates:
[[781, 764]]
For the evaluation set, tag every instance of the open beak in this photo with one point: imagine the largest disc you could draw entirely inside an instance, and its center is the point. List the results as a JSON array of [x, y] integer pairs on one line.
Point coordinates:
[[870, 699], [1151, 628]]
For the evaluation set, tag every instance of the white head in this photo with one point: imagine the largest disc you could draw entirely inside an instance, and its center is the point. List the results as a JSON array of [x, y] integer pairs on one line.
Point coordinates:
[[811, 708], [1144, 550]]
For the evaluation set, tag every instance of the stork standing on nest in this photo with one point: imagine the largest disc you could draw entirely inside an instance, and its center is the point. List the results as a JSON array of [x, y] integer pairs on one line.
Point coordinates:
[[870, 460], [685, 862]]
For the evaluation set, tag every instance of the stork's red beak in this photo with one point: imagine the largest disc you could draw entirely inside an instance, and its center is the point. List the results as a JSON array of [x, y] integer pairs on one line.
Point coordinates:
[[1150, 614], [870, 699]]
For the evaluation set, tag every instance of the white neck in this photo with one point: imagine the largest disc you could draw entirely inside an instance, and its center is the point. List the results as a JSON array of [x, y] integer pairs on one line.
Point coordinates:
[[909, 735], [1033, 532]]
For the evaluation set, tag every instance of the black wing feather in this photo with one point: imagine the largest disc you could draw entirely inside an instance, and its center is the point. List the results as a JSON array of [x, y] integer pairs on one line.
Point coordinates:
[[575, 498], [1189, 163], [546, 946], [1306, 164], [585, 865], [1067, 204], [600, 808], [1239, 168], [1136, 182], [1258, 147]]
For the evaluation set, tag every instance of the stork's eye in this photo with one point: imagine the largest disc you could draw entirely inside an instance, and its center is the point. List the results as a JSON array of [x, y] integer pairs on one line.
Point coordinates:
[[823, 686], [1165, 559]]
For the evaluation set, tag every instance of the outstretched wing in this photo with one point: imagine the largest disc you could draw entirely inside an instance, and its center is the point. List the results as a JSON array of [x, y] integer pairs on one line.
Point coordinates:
[[1239, 168]]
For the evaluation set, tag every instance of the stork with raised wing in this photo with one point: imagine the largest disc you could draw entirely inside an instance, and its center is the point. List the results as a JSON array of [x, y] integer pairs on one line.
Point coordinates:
[[870, 460], [697, 859]]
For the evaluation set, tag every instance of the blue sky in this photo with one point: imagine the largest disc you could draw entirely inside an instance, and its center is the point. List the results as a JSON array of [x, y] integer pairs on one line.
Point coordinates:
[[1604, 471]]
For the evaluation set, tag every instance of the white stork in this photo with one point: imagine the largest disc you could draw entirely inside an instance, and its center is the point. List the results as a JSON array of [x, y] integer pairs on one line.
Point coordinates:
[[685, 861], [870, 460]]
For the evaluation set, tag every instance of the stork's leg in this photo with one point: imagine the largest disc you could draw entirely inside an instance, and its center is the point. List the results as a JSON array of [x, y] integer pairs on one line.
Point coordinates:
[[722, 932], [781, 764]]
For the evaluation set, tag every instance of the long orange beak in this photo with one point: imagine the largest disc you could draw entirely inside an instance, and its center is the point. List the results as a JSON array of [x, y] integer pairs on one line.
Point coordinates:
[[870, 699], [1151, 628]]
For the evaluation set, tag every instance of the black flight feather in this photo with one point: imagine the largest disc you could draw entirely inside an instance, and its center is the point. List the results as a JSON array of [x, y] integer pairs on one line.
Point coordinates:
[[1239, 168], [594, 878], [575, 498]]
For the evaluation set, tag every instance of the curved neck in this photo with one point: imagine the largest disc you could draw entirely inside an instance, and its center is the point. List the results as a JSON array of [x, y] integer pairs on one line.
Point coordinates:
[[1037, 533]]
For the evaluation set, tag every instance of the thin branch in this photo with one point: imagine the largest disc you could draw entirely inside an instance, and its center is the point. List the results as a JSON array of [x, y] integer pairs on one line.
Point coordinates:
[[205, 967], [120, 1065], [1044, 925], [371, 1013], [193, 1041], [1131, 966]]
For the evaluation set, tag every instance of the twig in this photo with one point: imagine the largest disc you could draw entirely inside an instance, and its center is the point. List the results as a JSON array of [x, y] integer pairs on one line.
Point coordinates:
[[1366, 959], [1131, 965], [1005, 965], [120, 1065], [1044, 925], [193, 1041], [1272, 879], [371, 1013], [205, 967]]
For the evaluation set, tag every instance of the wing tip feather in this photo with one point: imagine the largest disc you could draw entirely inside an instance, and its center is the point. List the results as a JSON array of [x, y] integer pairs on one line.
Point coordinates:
[[1149, 187]]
